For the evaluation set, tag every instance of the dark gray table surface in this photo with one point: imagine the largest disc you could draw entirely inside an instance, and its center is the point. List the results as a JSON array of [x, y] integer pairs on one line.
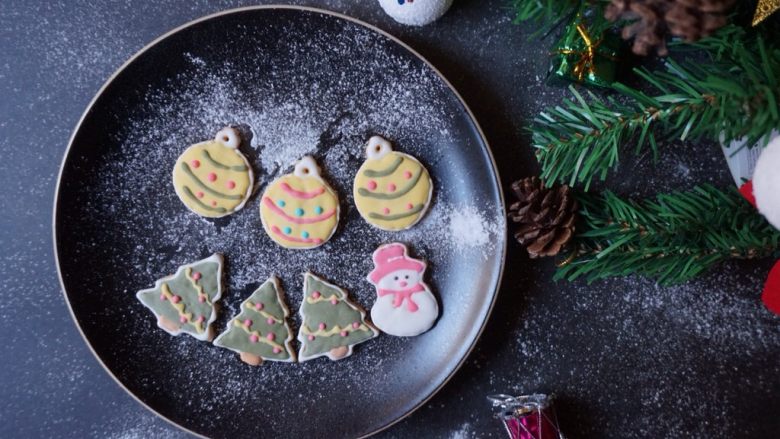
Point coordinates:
[[627, 358]]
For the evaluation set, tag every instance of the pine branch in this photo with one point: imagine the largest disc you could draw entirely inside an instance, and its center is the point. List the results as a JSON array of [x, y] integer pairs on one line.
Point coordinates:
[[736, 94], [549, 13], [672, 239]]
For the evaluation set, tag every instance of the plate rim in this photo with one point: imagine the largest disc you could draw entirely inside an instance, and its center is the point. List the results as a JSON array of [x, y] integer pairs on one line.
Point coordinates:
[[339, 15]]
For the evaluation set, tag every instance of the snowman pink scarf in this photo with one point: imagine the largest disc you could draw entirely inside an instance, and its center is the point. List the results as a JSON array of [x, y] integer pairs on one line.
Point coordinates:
[[401, 295]]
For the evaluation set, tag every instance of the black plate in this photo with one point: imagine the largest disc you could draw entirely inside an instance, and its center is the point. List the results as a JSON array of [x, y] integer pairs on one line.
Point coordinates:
[[299, 81]]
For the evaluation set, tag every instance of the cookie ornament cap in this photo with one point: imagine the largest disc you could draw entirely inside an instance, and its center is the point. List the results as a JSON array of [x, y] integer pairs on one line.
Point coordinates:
[[300, 210], [213, 179], [415, 12], [392, 190], [404, 306], [766, 182]]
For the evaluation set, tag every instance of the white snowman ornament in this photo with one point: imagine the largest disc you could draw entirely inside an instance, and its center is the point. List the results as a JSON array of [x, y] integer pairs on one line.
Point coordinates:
[[404, 306], [415, 12], [766, 182]]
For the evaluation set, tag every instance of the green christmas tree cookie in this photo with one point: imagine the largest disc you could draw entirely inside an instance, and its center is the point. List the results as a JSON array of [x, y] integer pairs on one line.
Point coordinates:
[[260, 331], [184, 302], [332, 324]]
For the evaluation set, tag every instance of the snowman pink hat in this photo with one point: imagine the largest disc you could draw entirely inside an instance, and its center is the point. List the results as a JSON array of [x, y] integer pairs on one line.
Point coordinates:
[[392, 257]]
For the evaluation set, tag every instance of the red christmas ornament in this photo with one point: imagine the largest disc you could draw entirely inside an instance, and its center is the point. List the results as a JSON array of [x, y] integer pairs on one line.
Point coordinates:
[[771, 294], [747, 191]]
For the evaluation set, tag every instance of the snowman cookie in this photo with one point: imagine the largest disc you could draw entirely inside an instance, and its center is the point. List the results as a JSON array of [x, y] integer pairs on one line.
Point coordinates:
[[300, 210], [392, 190], [404, 306], [213, 179]]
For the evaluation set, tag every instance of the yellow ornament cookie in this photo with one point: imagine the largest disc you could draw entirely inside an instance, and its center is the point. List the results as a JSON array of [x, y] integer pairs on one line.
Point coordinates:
[[213, 179], [392, 189], [300, 210]]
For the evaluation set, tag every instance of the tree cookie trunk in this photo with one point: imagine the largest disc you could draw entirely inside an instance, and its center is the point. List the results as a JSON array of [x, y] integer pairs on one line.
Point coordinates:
[[168, 324], [339, 352], [251, 359]]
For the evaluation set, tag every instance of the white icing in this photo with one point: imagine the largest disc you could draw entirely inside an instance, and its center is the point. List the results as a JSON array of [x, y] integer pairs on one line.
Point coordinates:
[[229, 137], [417, 12], [400, 321], [766, 183], [307, 167], [377, 148]]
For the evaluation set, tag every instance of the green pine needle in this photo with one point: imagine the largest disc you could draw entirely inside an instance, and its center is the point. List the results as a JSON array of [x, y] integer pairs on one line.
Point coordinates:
[[672, 239], [735, 95]]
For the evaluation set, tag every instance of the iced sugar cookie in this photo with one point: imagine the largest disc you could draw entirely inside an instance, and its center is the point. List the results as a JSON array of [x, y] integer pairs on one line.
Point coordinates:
[[185, 302], [392, 189], [404, 305], [332, 324], [213, 178], [300, 210], [260, 331]]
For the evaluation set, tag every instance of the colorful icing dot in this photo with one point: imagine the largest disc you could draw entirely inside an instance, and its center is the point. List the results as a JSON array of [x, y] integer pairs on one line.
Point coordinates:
[[195, 163], [299, 212], [321, 326], [344, 333], [311, 337], [277, 350], [386, 210], [201, 298], [391, 187], [305, 234], [247, 322], [175, 299], [214, 203], [201, 319], [163, 298], [334, 301], [253, 338], [230, 184], [270, 321], [212, 176], [281, 203], [407, 175], [200, 194], [410, 206], [271, 336], [355, 325], [287, 230], [183, 319], [316, 294], [371, 185], [318, 210], [259, 306], [196, 275]]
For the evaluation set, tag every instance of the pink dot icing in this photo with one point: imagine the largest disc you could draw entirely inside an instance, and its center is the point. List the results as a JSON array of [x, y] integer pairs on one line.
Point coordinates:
[[386, 210], [183, 319], [200, 194], [231, 184], [371, 185], [407, 175], [201, 319], [271, 336], [277, 350], [333, 301], [212, 176], [175, 299], [355, 325], [322, 326], [311, 337], [316, 294], [391, 187], [196, 275], [253, 338], [163, 298], [344, 333], [214, 203], [259, 306], [270, 321], [201, 299], [247, 322], [410, 206], [195, 163]]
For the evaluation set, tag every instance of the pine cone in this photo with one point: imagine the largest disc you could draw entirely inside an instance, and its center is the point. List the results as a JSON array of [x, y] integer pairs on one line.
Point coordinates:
[[657, 19], [545, 216]]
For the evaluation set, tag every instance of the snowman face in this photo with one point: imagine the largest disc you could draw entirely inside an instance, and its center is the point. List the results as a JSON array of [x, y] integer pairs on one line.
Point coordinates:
[[399, 280]]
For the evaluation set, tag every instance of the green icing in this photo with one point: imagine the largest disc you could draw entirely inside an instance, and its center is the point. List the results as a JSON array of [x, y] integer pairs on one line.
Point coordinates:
[[186, 168], [397, 194], [237, 338], [181, 286], [384, 172], [200, 203], [216, 164], [411, 212], [343, 314]]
